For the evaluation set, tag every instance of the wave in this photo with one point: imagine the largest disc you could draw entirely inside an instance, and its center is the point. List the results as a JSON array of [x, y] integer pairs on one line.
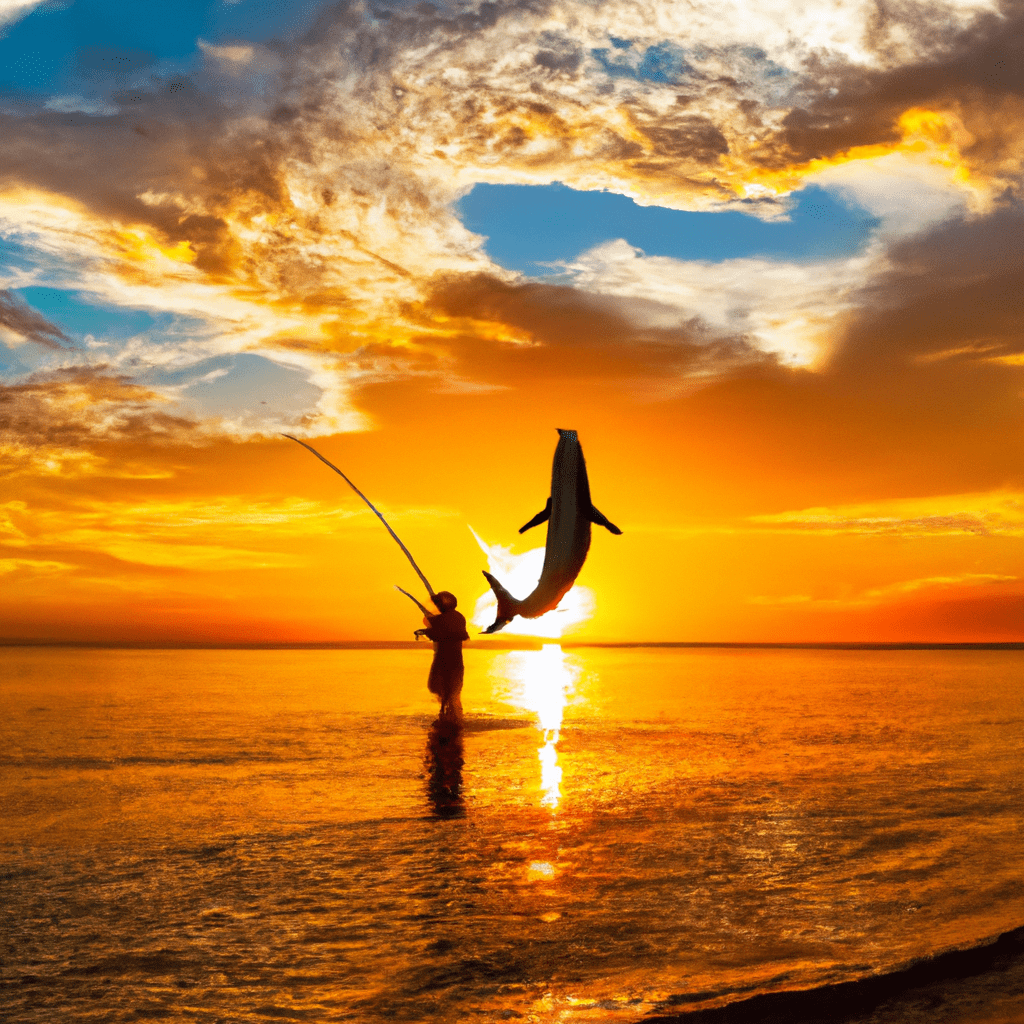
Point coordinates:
[[488, 724], [72, 761], [843, 1001]]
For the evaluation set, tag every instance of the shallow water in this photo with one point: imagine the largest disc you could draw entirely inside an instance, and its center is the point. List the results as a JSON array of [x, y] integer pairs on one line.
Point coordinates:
[[257, 835]]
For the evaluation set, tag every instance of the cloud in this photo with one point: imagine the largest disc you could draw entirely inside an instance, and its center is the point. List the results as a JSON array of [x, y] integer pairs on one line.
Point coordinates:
[[297, 200], [972, 73], [787, 309], [996, 514], [47, 422], [81, 104], [947, 299], [670, 107], [19, 322], [512, 333], [14, 10], [219, 534], [931, 588]]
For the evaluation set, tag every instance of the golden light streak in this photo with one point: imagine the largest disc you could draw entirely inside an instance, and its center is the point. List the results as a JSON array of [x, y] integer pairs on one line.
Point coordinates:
[[71, 463], [217, 535], [138, 244], [995, 512], [33, 565], [889, 593], [932, 137], [538, 869], [542, 682]]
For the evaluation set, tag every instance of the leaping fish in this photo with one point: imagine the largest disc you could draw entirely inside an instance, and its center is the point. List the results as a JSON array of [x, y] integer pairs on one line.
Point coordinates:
[[568, 513]]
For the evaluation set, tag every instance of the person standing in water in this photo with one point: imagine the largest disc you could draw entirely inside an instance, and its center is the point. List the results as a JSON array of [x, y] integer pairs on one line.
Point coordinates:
[[448, 631]]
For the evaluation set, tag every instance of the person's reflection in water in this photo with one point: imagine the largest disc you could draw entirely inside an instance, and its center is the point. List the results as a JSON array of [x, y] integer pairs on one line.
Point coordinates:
[[444, 765], [444, 741]]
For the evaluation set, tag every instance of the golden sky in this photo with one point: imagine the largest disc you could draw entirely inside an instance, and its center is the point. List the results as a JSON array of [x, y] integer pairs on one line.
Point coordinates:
[[264, 235]]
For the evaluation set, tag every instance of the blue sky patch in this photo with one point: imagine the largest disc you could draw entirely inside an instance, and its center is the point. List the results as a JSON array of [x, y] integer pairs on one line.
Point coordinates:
[[77, 317], [248, 384], [661, 63], [528, 225], [58, 48]]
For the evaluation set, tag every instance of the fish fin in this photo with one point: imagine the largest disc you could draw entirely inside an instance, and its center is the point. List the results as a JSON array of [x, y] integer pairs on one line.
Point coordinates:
[[597, 517], [506, 605], [541, 517]]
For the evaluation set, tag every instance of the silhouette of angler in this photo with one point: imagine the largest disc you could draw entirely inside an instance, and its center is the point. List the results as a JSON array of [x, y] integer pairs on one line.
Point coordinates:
[[448, 631]]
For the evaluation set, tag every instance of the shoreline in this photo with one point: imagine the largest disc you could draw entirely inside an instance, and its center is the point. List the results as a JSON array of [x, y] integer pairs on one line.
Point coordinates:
[[986, 976]]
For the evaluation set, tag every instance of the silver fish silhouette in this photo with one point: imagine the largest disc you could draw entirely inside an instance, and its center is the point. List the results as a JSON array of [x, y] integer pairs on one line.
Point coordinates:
[[568, 513]]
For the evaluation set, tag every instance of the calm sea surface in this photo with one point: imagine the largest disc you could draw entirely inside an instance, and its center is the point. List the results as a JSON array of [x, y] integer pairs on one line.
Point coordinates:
[[288, 835]]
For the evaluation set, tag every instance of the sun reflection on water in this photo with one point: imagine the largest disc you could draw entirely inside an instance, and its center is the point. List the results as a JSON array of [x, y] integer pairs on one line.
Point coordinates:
[[542, 682]]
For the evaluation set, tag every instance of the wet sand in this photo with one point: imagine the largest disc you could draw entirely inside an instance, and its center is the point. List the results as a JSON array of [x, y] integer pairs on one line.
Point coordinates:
[[981, 985]]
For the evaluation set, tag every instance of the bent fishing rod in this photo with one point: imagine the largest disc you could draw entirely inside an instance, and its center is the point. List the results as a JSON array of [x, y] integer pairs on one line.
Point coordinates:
[[377, 513]]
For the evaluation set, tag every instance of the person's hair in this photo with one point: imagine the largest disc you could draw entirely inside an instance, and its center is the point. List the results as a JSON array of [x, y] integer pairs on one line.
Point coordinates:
[[445, 600]]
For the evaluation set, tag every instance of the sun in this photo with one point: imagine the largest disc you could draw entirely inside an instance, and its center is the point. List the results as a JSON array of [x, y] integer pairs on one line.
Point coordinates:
[[519, 573]]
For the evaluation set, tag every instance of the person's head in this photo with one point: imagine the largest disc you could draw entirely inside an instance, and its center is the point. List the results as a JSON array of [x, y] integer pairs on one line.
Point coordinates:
[[445, 600]]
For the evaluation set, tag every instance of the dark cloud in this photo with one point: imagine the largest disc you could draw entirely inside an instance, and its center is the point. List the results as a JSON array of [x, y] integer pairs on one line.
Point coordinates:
[[74, 406], [175, 144], [558, 54], [925, 394], [695, 137], [19, 317], [953, 290], [968, 69], [568, 334]]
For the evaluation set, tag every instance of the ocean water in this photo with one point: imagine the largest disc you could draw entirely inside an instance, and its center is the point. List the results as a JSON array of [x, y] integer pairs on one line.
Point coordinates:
[[611, 833]]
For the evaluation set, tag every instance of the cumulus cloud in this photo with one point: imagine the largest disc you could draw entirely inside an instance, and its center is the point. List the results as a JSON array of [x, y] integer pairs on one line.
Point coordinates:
[[297, 199], [788, 309]]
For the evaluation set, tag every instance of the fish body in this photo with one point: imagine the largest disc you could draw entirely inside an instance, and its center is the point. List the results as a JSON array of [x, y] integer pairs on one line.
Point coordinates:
[[569, 513]]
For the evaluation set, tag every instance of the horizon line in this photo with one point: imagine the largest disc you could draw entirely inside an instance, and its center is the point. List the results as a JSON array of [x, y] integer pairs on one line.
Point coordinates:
[[520, 643]]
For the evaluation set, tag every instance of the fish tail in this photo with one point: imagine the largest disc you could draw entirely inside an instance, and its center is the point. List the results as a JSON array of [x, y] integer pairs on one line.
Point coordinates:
[[508, 606]]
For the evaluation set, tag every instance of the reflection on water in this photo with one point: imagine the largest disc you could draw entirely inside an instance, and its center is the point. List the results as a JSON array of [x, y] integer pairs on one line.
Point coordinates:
[[444, 761], [541, 682], [258, 836]]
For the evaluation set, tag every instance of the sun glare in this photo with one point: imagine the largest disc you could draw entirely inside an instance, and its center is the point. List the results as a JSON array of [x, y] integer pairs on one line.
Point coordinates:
[[519, 574], [541, 682]]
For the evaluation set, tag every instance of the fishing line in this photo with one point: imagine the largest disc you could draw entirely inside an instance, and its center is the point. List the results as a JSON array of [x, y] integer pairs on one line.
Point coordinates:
[[375, 511]]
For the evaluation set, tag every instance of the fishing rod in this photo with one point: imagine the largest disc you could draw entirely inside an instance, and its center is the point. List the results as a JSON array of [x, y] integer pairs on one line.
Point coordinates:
[[376, 512], [422, 608]]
